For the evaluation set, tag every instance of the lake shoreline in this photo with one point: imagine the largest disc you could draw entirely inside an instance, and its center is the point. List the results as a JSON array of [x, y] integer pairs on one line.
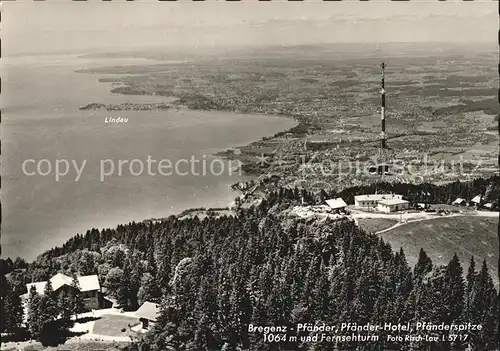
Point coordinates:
[[43, 122], [195, 103], [177, 133], [226, 153]]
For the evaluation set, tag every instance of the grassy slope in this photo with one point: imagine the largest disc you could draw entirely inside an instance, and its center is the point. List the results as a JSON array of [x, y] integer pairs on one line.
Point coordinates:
[[441, 238]]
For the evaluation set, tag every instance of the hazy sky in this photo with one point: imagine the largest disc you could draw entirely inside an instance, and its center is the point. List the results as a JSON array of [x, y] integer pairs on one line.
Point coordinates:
[[65, 25]]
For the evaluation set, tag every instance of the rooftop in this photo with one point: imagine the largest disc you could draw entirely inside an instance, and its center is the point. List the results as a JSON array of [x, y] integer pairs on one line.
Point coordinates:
[[476, 199], [336, 203], [86, 283], [148, 310], [377, 197], [391, 202]]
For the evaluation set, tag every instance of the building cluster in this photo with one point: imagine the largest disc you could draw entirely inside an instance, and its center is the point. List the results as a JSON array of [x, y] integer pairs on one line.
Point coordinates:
[[388, 203], [476, 201], [381, 202], [94, 299]]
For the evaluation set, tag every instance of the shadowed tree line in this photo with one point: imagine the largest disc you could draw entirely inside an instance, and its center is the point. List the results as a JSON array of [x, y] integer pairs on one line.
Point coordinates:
[[488, 188]]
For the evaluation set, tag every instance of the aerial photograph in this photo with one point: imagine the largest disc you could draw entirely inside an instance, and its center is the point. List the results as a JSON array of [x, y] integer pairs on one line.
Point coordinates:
[[249, 176]]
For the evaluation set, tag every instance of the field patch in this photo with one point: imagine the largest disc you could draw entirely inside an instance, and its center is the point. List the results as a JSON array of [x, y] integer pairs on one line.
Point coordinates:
[[114, 325]]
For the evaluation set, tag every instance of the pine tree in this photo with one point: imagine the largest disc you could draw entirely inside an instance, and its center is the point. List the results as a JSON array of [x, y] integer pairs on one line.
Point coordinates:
[[424, 265], [76, 298], [452, 293], [366, 294], [152, 267], [12, 310], [47, 314], [321, 297], [65, 308], [149, 290], [137, 273], [469, 291], [123, 294], [34, 320], [206, 314], [166, 336], [50, 309], [484, 306], [432, 305], [454, 290]]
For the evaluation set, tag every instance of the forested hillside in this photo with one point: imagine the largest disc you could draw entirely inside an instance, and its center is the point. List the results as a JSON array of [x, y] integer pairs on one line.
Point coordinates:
[[214, 277]]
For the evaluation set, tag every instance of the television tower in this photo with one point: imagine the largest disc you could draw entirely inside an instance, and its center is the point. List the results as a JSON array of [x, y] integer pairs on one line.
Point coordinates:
[[382, 111]]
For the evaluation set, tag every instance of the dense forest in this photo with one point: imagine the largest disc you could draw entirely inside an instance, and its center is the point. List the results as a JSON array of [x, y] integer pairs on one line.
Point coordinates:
[[215, 276]]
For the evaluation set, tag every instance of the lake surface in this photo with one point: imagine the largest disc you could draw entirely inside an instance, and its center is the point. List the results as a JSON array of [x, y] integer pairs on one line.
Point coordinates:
[[41, 121]]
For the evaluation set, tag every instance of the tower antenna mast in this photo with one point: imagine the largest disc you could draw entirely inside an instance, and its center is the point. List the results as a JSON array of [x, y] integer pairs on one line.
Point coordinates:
[[382, 111]]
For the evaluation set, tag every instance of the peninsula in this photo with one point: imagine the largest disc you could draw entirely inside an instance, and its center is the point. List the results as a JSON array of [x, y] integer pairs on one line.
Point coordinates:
[[127, 106]]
